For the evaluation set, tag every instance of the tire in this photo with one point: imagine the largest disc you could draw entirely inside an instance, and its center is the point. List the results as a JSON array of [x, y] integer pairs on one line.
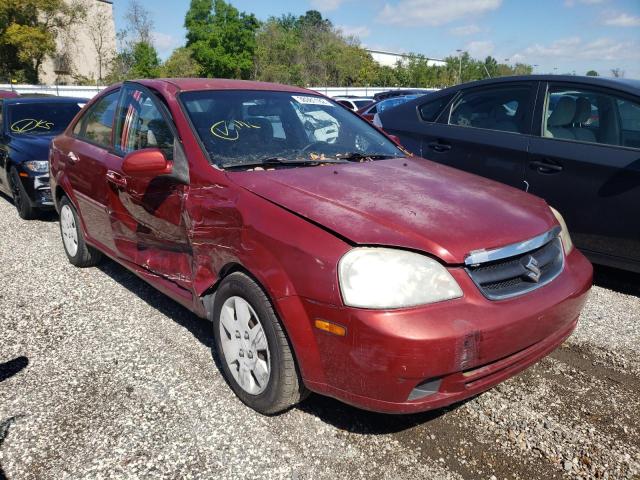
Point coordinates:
[[284, 387], [78, 252], [20, 197]]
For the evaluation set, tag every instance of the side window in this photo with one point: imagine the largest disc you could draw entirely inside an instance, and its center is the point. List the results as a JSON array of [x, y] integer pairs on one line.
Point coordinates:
[[429, 111], [591, 116], [141, 125], [97, 123], [503, 108]]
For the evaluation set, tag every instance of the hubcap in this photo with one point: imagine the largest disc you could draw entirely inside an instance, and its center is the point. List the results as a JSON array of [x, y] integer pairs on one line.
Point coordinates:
[[244, 345], [69, 230]]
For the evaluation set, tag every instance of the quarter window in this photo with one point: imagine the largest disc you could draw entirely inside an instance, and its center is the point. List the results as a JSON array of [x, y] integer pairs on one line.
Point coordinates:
[[591, 116], [429, 111], [97, 124], [504, 109], [142, 125]]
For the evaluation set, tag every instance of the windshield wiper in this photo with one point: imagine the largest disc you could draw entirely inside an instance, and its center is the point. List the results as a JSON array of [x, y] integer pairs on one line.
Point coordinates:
[[356, 156], [281, 161]]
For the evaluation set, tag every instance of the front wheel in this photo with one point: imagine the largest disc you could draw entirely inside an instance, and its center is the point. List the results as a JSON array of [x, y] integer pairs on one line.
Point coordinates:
[[254, 352], [20, 197], [78, 252]]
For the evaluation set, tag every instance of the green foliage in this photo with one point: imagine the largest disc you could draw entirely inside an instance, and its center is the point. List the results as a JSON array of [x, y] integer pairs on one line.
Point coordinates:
[[28, 32], [180, 64], [145, 62], [221, 39], [592, 73]]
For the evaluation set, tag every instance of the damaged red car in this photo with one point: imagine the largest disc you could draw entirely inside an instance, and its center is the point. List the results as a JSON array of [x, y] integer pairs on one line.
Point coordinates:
[[326, 258]]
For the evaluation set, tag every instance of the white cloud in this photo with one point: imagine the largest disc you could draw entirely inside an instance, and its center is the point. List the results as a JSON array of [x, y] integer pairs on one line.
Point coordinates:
[[571, 3], [480, 48], [622, 20], [358, 31], [164, 42], [465, 30], [433, 12], [575, 48], [326, 5]]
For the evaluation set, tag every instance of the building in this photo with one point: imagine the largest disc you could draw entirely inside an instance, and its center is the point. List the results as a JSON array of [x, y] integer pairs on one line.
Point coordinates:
[[391, 59], [84, 52]]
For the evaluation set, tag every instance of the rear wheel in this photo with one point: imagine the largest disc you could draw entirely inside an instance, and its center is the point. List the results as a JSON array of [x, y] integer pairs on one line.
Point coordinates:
[[20, 197], [254, 352], [78, 252]]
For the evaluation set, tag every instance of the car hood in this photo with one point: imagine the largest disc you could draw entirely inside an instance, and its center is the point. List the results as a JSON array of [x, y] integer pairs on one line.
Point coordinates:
[[35, 147], [407, 202]]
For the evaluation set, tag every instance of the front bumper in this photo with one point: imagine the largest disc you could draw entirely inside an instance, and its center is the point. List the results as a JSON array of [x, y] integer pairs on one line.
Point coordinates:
[[417, 359], [38, 189]]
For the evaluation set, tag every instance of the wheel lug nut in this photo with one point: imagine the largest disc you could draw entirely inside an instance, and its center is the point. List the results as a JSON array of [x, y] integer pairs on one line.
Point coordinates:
[[246, 335], [250, 355], [237, 333], [241, 353]]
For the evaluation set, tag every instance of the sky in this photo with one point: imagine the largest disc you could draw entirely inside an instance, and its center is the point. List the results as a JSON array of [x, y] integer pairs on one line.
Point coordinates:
[[561, 36]]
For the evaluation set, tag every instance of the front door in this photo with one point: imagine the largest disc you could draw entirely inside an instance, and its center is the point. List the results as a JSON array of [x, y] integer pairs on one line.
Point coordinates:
[[586, 164], [485, 131], [147, 221]]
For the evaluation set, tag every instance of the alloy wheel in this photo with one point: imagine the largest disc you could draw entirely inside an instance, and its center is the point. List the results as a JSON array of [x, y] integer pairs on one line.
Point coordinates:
[[69, 230]]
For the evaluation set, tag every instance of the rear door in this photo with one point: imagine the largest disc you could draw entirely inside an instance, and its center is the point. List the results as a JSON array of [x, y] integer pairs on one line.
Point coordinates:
[[589, 168], [85, 158], [485, 130], [147, 221]]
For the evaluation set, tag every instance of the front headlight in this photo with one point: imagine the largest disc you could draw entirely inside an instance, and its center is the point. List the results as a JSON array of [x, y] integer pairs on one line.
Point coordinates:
[[384, 278], [567, 243], [37, 166]]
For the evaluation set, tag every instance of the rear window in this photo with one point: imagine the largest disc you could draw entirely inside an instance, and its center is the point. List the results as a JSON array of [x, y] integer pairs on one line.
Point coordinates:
[[41, 118]]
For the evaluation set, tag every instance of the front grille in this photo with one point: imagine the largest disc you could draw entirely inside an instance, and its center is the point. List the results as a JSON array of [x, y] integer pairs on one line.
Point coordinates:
[[519, 274]]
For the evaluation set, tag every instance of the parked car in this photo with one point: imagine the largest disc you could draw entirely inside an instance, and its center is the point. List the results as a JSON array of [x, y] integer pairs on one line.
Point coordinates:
[[574, 141], [402, 93], [8, 94], [345, 268], [370, 112], [27, 126], [354, 103]]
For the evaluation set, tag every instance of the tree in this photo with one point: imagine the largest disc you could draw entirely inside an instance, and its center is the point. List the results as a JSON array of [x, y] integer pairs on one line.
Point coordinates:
[[28, 33], [617, 72], [180, 64], [145, 62], [99, 32], [222, 39], [592, 73]]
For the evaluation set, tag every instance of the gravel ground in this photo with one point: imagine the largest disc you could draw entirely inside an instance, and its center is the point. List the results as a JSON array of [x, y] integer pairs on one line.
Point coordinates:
[[117, 381]]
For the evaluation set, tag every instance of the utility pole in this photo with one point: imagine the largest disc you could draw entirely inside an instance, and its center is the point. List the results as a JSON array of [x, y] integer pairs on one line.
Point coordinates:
[[460, 67]]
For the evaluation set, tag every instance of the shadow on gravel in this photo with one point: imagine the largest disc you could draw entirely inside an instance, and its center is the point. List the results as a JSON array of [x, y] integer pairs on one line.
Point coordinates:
[[4, 432], [12, 367], [355, 420], [199, 328], [618, 280], [43, 216]]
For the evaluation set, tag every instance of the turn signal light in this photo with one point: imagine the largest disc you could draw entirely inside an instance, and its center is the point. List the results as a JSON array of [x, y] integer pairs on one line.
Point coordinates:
[[331, 327]]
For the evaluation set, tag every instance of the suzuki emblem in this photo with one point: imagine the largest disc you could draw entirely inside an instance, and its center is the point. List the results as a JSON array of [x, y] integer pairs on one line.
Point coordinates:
[[533, 272]]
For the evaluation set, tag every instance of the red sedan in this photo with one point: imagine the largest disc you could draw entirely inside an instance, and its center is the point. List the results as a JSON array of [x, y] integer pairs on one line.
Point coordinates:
[[326, 258]]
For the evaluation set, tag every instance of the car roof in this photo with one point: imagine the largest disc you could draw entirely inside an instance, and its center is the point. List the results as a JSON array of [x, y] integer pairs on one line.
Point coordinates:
[[196, 84], [624, 84], [48, 100]]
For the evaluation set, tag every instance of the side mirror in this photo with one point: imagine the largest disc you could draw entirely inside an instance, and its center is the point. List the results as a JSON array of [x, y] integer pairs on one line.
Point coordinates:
[[148, 162]]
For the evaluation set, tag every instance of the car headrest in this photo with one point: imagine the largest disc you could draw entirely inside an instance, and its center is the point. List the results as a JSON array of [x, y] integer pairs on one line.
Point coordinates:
[[583, 110], [563, 112]]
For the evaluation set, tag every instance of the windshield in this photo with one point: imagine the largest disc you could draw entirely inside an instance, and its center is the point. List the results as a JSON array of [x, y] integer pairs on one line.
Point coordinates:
[[247, 128], [41, 118]]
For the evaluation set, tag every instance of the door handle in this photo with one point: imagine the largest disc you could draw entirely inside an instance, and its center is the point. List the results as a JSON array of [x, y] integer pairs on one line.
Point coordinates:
[[439, 147], [72, 157], [116, 178], [545, 166]]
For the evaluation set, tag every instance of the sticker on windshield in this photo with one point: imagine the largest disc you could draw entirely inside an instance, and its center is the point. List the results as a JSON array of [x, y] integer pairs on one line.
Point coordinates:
[[29, 124], [230, 130], [312, 100]]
